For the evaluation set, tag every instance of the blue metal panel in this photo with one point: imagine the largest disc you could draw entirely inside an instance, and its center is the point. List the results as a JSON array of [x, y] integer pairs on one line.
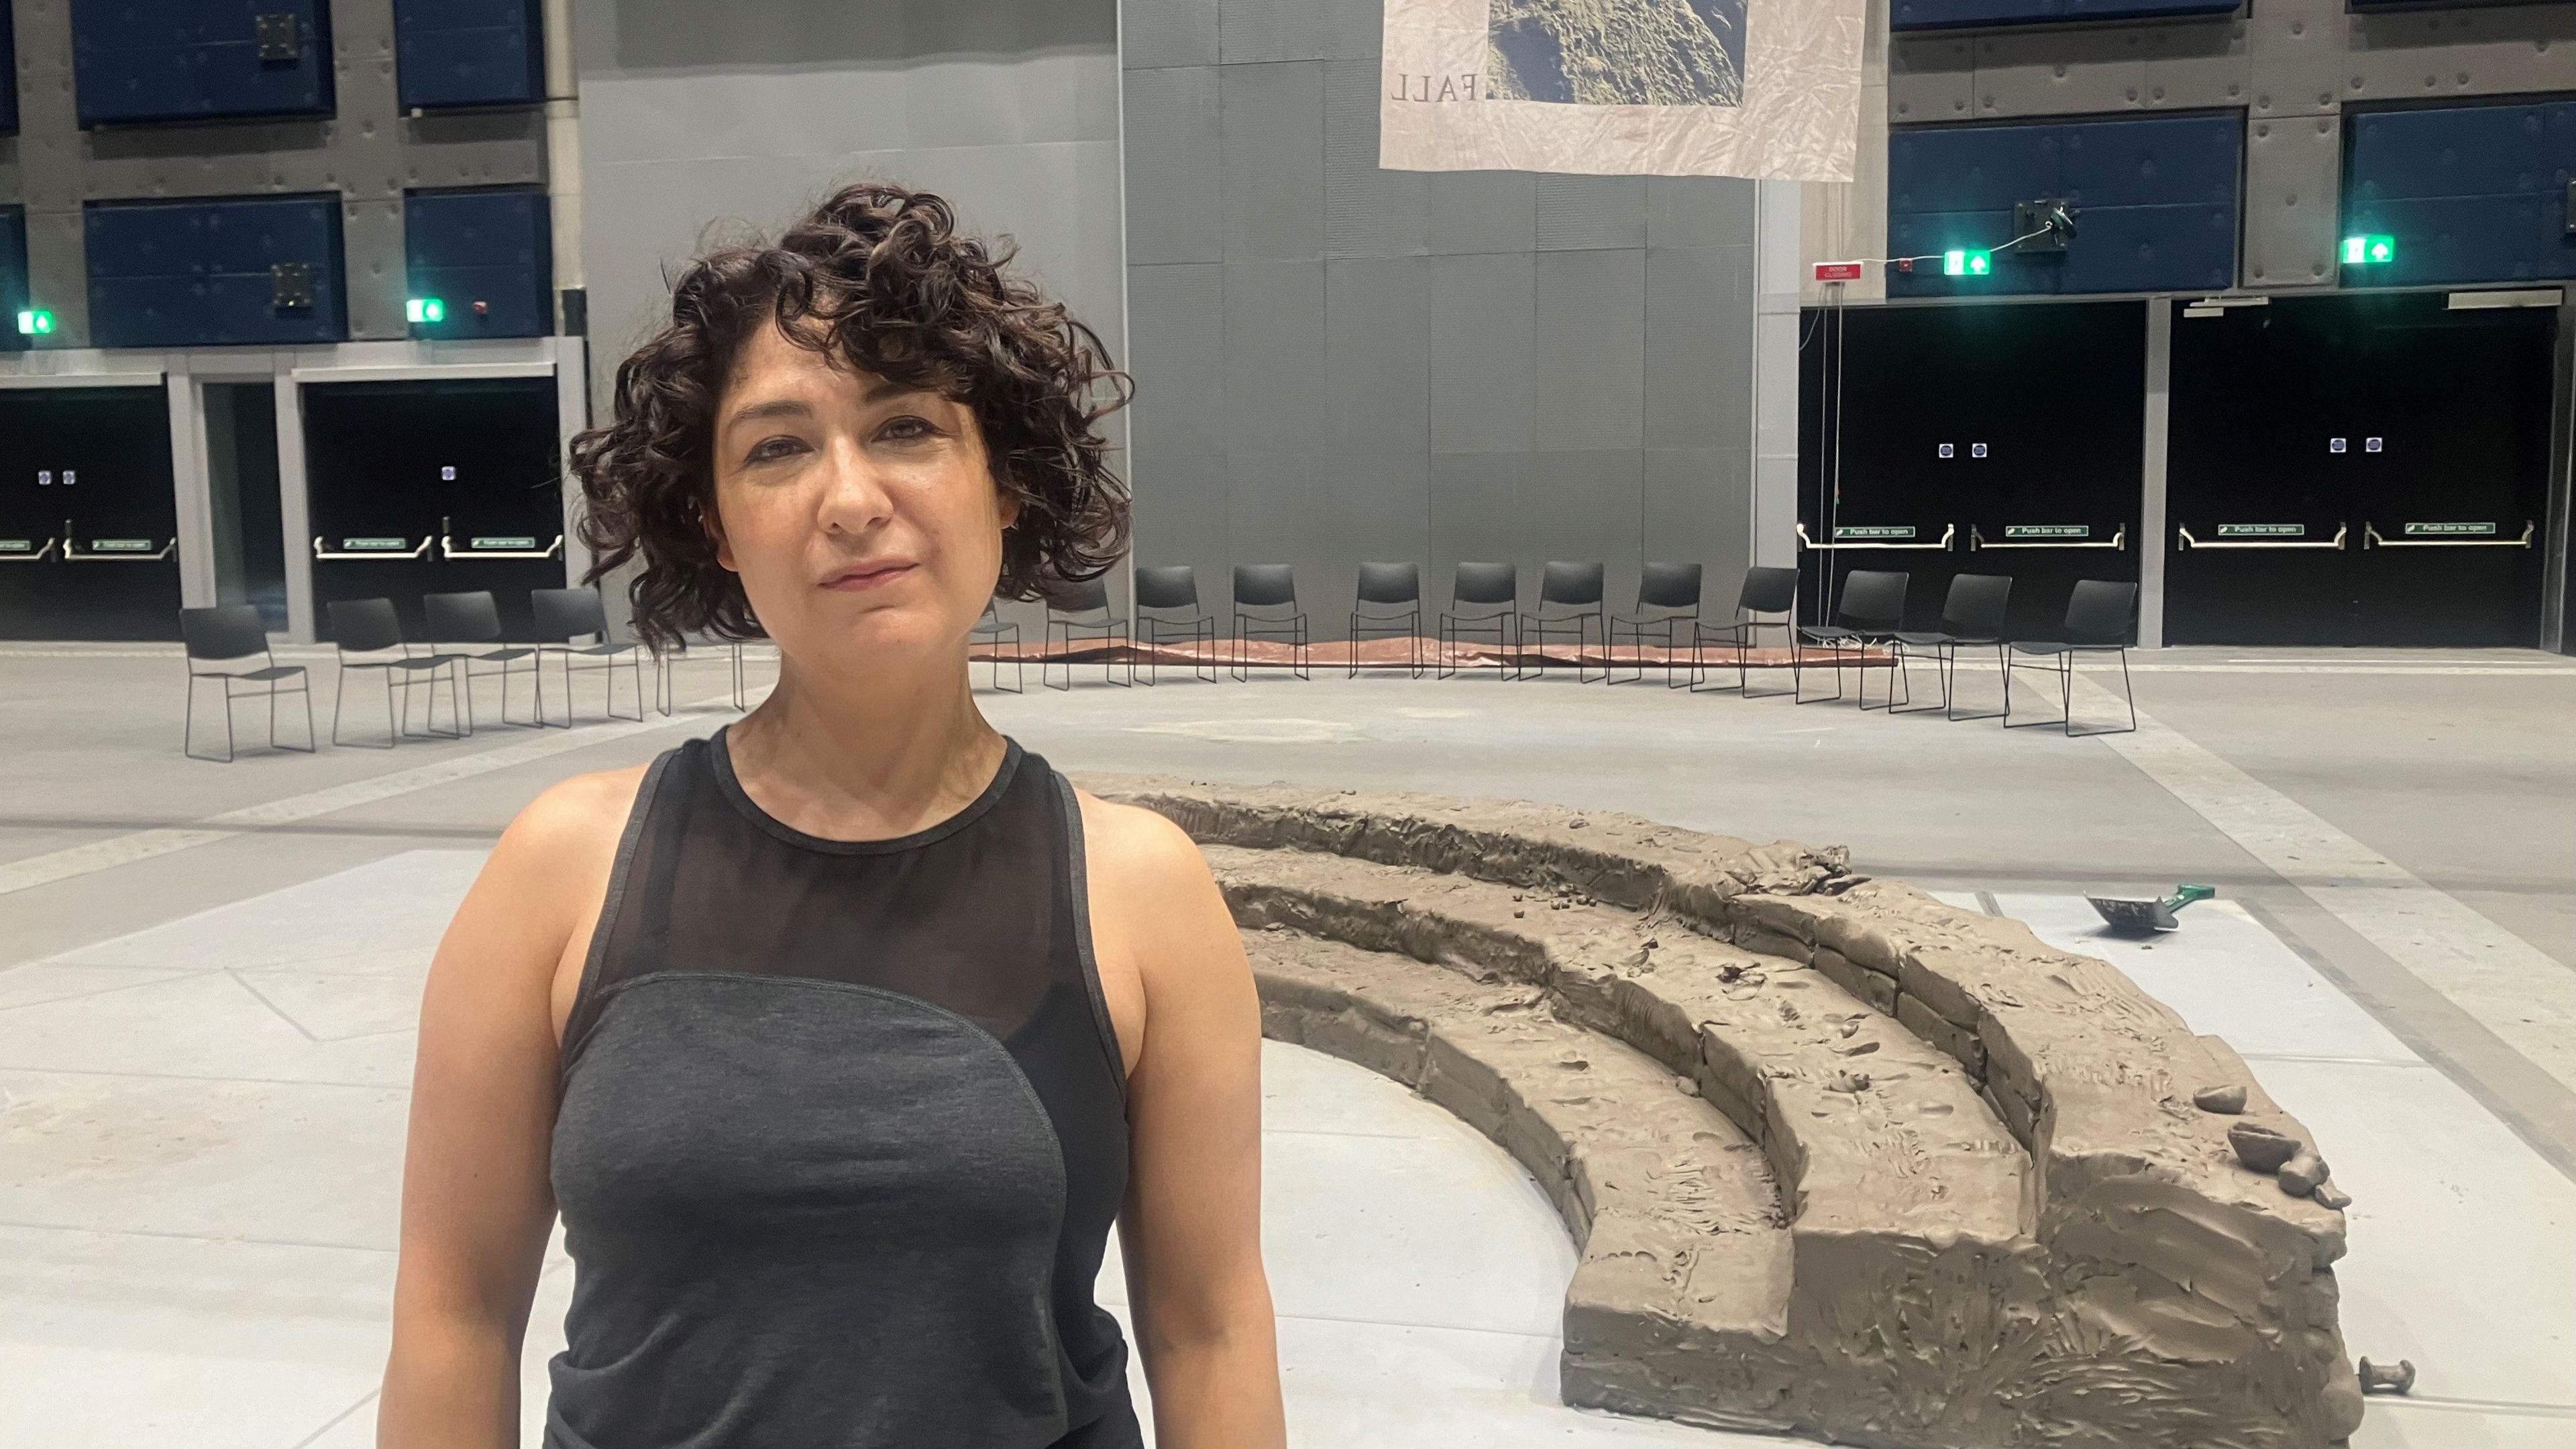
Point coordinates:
[[196, 273], [179, 60], [492, 245], [13, 277], [469, 52], [1960, 14], [2156, 201], [2471, 193]]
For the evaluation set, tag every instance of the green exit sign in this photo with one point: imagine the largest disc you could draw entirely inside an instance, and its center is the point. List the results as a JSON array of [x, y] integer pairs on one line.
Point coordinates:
[[35, 322], [1961, 263], [2369, 251]]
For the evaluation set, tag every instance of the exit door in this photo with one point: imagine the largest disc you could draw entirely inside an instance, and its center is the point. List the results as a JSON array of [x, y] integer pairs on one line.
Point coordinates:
[[88, 516], [434, 487], [2359, 470]]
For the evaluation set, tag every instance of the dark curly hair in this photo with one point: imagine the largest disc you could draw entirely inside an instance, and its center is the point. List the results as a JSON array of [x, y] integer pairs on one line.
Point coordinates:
[[878, 279]]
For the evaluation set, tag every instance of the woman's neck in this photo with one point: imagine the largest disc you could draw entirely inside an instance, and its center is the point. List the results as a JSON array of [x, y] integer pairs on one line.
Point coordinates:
[[870, 762]]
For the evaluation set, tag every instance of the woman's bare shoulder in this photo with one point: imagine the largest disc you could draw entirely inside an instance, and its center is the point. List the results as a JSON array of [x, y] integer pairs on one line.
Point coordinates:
[[1137, 851]]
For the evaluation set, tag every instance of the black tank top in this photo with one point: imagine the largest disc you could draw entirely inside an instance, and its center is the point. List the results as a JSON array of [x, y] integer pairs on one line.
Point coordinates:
[[842, 1134]]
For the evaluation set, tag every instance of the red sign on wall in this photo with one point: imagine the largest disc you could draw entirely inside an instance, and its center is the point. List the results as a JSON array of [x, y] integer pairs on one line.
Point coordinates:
[[1837, 271]]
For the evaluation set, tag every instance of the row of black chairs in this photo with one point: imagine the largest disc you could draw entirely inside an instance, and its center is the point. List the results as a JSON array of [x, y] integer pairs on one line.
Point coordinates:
[[367, 636], [1866, 629]]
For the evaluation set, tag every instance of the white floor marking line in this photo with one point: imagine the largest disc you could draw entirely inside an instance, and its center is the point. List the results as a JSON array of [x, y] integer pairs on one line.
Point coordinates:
[[98, 855], [2511, 987]]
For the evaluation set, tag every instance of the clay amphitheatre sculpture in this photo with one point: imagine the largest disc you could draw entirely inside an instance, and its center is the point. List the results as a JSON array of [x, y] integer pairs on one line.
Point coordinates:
[[1839, 1160]]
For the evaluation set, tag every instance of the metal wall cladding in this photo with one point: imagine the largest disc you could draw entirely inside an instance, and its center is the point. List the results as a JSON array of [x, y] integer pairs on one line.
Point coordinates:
[[13, 277], [2156, 198], [197, 273], [186, 60], [489, 245], [2471, 193], [469, 53], [1959, 14]]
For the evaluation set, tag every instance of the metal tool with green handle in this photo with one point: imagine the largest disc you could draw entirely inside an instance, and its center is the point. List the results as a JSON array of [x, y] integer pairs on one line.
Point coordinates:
[[2142, 918]]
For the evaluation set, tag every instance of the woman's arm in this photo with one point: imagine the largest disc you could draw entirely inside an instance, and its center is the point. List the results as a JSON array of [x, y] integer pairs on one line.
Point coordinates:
[[1191, 1229], [477, 1206]]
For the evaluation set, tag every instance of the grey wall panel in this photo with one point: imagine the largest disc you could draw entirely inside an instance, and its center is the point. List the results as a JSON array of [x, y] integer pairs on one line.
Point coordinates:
[[2293, 196], [1276, 513], [2503, 50], [1274, 358], [1271, 159], [1167, 32], [717, 113], [1584, 507], [1482, 339], [1182, 504], [1474, 514], [1931, 79], [1589, 349], [990, 100], [58, 270], [1699, 315], [2295, 51], [2195, 64], [377, 276], [1377, 353], [473, 148], [1692, 508], [1699, 211], [221, 160], [1355, 29], [1382, 502], [1250, 31], [1483, 211], [2054, 72], [1180, 377], [1368, 211], [1573, 212], [1173, 205]]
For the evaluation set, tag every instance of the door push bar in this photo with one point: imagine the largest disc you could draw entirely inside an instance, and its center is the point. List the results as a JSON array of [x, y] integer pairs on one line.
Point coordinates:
[[1948, 532], [2336, 542], [397, 552], [2119, 539], [2370, 539], [26, 555], [447, 547], [142, 553]]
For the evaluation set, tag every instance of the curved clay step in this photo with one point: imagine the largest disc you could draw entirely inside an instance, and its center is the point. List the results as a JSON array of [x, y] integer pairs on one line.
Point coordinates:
[[1673, 1211], [2163, 1292]]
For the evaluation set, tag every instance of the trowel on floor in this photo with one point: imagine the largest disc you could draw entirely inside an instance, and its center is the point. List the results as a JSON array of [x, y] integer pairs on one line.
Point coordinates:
[[2144, 918]]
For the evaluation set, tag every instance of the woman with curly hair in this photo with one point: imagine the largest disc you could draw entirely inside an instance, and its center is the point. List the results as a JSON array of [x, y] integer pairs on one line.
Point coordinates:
[[841, 1038]]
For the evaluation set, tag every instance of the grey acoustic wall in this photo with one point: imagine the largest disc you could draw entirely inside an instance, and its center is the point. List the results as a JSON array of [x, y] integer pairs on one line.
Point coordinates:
[[1336, 362], [702, 126]]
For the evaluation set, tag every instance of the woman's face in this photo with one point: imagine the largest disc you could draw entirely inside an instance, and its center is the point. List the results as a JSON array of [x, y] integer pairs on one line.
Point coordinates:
[[862, 518]]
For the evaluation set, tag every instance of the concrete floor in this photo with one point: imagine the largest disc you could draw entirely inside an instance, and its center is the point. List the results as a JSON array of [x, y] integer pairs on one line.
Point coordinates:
[[2403, 825]]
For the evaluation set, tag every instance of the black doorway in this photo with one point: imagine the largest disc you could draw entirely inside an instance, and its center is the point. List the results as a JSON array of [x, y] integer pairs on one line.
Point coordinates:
[[88, 515], [2366, 469]]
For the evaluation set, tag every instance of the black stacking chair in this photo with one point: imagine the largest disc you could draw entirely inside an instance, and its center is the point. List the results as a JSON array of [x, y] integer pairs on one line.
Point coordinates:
[[1972, 617], [1871, 611], [2101, 618], [1569, 596], [1273, 587], [1764, 591], [473, 618], [1083, 609], [229, 632], [1494, 588], [1396, 591], [369, 626], [1667, 602], [989, 630], [564, 615], [1167, 608]]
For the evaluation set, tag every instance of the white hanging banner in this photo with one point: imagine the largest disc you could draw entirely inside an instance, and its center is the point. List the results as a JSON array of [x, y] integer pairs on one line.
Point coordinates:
[[1762, 88]]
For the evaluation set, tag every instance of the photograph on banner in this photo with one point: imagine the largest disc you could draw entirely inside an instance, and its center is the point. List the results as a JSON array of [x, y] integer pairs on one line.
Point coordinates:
[[1757, 88]]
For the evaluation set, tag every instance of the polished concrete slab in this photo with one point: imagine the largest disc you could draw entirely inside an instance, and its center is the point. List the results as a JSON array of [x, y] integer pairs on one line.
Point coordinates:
[[206, 975]]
